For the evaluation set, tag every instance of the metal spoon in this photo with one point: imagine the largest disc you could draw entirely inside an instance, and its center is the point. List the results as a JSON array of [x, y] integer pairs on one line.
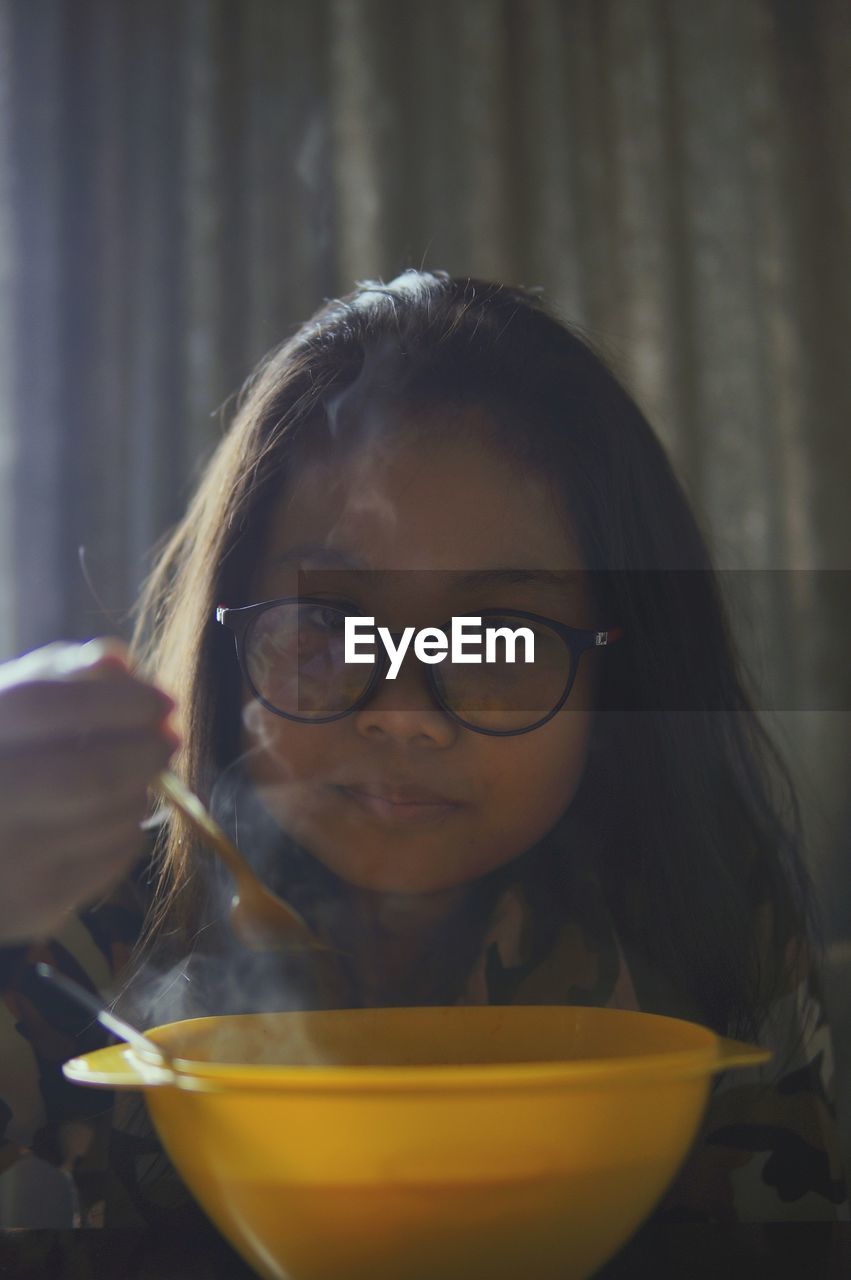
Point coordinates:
[[260, 919], [94, 1005]]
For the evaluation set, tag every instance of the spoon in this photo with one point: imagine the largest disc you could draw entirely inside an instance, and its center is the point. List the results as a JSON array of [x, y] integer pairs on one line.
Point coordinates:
[[94, 1005], [260, 919]]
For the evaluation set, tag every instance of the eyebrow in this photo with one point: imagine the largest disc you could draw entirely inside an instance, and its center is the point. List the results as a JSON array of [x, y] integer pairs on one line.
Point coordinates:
[[330, 557]]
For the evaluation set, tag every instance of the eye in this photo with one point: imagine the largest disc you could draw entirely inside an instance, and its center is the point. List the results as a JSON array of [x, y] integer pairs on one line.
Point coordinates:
[[331, 618]]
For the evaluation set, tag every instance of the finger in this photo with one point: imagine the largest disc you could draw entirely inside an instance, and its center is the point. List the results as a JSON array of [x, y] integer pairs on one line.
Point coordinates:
[[112, 848], [98, 875], [60, 880], [38, 711], [63, 658], [59, 685], [61, 784], [130, 809]]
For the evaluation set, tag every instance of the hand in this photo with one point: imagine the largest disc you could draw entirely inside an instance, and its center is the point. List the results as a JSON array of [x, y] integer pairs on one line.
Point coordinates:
[[81, 739]]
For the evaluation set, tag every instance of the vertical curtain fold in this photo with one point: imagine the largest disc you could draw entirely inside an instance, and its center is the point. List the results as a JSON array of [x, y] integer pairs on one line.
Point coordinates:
[[9, 436], [38, 597], [545, 172]]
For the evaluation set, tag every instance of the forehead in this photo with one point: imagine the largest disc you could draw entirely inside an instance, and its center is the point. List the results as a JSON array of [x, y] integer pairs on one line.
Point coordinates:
[[424, 500]]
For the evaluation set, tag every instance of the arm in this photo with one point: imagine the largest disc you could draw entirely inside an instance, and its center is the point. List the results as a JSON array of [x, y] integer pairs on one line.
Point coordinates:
[[81, 737], [41, 1113]]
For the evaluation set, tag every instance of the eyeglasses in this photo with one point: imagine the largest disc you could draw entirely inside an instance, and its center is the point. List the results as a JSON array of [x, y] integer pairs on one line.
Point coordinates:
[[292, 654]]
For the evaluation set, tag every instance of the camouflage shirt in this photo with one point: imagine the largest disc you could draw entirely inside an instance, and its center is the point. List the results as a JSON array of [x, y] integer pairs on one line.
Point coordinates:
[[767, 1150]]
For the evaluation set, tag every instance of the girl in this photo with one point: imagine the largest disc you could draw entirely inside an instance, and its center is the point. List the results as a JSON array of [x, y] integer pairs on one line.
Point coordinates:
[[610, 826]]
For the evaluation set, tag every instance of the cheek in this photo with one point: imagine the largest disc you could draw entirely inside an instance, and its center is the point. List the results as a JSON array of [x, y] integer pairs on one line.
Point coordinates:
[[282, 755], [534, 777], [518, 787]]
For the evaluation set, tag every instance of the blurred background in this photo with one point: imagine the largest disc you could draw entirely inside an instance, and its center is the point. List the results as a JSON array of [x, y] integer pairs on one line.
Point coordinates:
[[183, 181]]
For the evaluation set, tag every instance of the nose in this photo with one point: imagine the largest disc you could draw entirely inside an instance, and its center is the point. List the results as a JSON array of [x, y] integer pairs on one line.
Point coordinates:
[[404, 711]]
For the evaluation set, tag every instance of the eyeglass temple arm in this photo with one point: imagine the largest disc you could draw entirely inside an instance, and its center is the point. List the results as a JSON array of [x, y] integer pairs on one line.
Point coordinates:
[[601, 638], [608, 637]]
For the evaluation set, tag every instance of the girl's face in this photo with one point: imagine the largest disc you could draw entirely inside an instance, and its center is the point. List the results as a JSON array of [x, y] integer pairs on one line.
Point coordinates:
[[343, 789]]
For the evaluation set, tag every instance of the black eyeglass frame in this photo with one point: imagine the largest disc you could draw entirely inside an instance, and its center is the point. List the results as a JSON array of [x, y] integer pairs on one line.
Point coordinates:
[[577, 640]]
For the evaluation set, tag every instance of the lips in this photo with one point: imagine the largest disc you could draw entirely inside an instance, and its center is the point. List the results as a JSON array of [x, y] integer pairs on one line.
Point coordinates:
[[395, 793], [396, 802]]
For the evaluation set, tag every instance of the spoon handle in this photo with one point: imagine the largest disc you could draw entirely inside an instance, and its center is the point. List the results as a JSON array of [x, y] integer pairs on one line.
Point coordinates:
[[170, 785], [94, 1005], [264, 915]]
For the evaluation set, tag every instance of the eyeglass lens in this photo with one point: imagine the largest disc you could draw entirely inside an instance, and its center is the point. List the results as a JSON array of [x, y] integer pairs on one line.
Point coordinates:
[[295, 658]]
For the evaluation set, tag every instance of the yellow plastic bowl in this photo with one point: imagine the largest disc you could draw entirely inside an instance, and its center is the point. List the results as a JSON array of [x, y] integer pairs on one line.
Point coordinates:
[[469, 1143]]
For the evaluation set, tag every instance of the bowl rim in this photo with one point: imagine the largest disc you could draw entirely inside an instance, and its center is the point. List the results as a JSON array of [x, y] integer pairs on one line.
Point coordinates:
[[689, 1062]]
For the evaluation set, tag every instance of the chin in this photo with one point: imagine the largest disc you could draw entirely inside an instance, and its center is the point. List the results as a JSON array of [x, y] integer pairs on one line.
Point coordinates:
[[388, 872], [390, 879]]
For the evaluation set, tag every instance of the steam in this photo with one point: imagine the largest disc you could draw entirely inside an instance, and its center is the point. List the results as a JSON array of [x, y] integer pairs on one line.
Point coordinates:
[[217, 974], [212, 973]]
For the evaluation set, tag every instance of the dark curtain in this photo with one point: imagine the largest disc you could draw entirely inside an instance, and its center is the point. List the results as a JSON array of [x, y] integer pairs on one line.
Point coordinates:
[[182, 181]]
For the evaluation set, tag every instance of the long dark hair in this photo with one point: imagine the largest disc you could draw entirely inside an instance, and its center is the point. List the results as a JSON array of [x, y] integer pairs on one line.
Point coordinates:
[[691, 811]]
